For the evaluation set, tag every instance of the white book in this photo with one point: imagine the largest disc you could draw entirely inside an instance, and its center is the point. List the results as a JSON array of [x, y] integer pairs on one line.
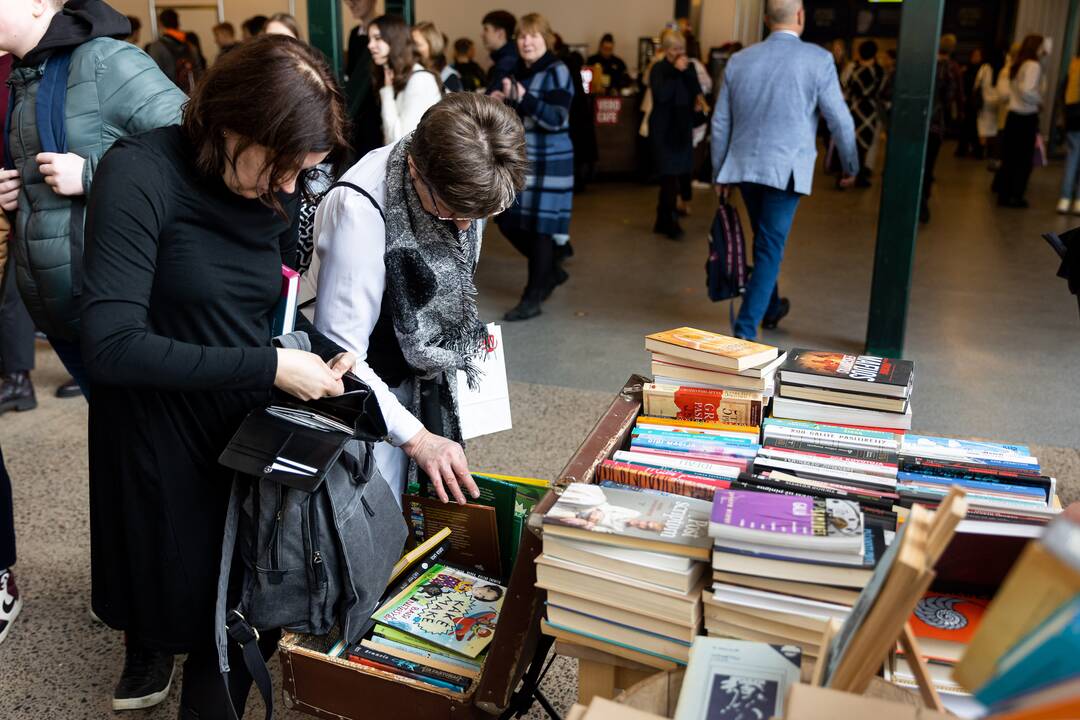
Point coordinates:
[[849, 464], [778, 602], [874, 481], [670, 462], [830, 438], [735, 678], [644, 558], [817, 412]]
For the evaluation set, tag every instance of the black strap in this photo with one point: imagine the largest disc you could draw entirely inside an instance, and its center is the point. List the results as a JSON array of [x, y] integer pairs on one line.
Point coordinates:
[[362, 191], [240, 631]]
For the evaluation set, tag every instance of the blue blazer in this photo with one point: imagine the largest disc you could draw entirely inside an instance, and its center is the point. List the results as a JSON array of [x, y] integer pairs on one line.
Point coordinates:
[[765, 125]]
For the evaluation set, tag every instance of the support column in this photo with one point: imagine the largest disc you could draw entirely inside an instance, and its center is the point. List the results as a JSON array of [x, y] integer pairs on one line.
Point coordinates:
[[325, 31], [1068, 51], [898, 218]]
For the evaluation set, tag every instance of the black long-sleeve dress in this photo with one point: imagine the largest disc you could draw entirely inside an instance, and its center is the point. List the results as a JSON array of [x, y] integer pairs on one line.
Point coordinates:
[[671, 122], [182, 276]]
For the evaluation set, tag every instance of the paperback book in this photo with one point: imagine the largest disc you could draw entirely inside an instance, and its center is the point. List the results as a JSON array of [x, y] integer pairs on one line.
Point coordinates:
[[853, 373], [797, 521], [710, 348], [737, 680]]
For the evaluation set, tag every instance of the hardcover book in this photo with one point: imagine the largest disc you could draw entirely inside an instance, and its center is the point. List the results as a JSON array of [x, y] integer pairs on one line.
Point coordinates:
[[678, 525], [474, 538], [945, 624], [787, 520], [710, 348], [737, 680], [734, 407], [448, 608], [854, 373]]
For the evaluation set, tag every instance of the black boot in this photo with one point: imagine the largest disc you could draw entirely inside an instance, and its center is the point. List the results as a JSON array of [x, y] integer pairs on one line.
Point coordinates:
[[17, 393], [146, 679], [70, 389]]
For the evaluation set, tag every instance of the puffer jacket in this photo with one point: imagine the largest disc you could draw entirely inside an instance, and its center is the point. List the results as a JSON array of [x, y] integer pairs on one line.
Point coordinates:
[[113, 90]]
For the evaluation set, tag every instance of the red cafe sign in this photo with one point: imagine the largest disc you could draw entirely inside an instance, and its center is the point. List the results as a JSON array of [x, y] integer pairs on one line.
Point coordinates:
[[607, 110]]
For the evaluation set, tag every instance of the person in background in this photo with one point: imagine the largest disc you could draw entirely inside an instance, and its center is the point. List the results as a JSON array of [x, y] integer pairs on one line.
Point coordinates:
[[406, 89], [969, 129], [195, 43], [282, 24], [498, 33], [764, 141], [121, 92], [181, 282], [225, 37], [863, 85], [541, 91], [171, 43], [582, 134], [701, 127], [473, 77], [136, 28], [988, 101], [613, 69], [1069, 197], [433, 190], [675, 90], [947, 97], [431, 46], [252, 27], [1022, 125], [362, 103]]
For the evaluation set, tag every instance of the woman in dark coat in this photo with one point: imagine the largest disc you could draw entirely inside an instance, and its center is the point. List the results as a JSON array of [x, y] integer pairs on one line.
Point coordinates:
[[187, 231], [541, 91], [675, 89]]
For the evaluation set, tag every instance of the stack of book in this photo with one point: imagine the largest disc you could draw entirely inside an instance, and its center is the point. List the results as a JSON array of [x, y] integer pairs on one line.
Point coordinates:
[[830, 461], [623, 570], [1005, 483], [944, 624], [842, 389], [785, 565], [701, 375], [1022, 661]]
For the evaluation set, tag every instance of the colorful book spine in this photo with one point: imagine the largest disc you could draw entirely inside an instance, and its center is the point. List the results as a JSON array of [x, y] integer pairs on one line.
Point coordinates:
[[819, 432], [746, 440], [359, 653], [669, 481], [733, 407], [706, 427], [855, 453], [688, 445]]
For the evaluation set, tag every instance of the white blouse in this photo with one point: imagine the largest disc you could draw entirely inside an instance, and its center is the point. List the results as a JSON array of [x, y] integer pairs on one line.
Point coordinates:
[[401, 114]]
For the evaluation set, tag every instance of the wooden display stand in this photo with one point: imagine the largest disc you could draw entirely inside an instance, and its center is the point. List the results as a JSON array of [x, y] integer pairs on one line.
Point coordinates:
[[602, 674]]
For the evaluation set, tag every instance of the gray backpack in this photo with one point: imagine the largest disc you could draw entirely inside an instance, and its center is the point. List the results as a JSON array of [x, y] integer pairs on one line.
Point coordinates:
[[317, 549]]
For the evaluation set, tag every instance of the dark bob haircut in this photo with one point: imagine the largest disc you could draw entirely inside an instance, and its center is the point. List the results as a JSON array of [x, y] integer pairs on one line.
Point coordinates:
[[272, 91]]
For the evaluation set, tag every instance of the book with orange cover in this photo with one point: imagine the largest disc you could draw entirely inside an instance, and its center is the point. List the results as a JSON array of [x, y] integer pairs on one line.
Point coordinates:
[[710, 348], [1067, 708], [945, 624]]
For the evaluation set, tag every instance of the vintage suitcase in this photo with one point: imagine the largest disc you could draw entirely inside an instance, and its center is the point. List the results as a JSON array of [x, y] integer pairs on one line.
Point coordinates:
[[336, 689]]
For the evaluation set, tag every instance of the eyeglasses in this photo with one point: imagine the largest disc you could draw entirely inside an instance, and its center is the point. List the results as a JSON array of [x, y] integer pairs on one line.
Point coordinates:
[[435, 203]]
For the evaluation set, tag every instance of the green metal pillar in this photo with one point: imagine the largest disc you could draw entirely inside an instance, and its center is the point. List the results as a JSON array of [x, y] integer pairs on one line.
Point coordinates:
[[901, 194], [325, 30], [404, 8], [1068, 50]]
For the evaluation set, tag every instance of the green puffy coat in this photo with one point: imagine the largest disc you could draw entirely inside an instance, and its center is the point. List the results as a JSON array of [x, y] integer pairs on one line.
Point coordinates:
[[113, 90]]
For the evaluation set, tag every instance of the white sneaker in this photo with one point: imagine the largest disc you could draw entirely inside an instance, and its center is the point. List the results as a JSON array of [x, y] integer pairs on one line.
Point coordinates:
[[1064, 205], [10, 603]]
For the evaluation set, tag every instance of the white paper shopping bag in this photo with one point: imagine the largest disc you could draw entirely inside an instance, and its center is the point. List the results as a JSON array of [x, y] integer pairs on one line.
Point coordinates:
[[487, 409]]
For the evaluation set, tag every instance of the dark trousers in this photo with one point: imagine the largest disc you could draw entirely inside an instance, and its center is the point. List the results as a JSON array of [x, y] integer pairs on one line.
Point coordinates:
[[70, 354], [202, 694], [16, 328], [933, 149], [771, 213], [1017, 150], [539, 249], [7, 519], [666, 212], [686, 187]]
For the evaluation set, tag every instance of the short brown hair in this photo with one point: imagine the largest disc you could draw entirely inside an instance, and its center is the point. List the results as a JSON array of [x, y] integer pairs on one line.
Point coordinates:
[[537, 23], [471, 148], [272, 91], [287, 20], [225, 27]]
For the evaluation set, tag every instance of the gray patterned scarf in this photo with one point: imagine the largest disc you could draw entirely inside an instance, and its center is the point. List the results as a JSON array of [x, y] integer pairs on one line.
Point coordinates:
[[429, 278]]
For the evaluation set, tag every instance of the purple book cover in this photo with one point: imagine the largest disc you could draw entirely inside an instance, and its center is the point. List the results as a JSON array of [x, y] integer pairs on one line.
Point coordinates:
[[788, 514]]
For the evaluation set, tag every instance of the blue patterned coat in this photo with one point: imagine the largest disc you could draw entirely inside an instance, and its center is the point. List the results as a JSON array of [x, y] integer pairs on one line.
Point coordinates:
[[544, 205]]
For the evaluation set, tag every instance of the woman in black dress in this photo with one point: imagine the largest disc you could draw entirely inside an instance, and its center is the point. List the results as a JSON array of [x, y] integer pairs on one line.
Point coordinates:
[[187, 230]]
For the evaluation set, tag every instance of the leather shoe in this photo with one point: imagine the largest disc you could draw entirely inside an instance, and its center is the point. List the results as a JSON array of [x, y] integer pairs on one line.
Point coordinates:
[[70, 389], [17, 393], [770, 323], [525, 309]]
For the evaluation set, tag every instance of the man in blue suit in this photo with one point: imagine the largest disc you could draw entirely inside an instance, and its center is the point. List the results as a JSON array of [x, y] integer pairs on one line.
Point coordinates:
[[764, 140]]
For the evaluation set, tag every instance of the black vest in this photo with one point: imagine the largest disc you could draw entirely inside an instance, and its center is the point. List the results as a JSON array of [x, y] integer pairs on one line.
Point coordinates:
[[384, 354]]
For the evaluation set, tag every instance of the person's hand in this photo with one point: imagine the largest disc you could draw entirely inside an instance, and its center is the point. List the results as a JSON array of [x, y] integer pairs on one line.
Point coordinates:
[[498, 95], [10, 185], [388, 75], [63, 172], [305, 376], [723, 192], [846, 181], [444, 462], [682, 62], [341, 364]]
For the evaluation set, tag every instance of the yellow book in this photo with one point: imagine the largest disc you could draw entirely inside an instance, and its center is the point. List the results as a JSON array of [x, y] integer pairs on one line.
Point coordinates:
[[418, 552], [711, 348], [532, 482]]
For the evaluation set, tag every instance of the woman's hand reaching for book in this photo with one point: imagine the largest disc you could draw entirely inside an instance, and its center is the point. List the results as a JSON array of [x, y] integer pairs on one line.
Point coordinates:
[[304, 375], [444, 462]]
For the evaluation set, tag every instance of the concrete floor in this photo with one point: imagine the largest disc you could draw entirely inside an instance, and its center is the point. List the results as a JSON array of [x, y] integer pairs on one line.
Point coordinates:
[[994, 333]]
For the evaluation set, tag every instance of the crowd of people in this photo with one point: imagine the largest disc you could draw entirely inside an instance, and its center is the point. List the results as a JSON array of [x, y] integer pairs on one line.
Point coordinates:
[[147, 217]]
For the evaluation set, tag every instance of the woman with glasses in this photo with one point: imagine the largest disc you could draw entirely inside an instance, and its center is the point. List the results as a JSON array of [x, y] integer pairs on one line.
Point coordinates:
[[406, 88], [398, 240], [540, 90]]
